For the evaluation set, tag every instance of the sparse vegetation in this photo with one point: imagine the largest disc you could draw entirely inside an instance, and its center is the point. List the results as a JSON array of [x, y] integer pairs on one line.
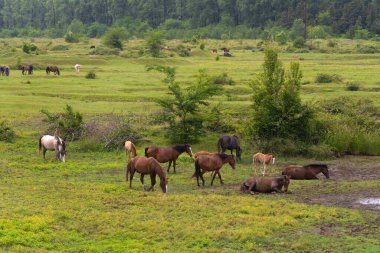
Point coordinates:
[[91, 75], [327, 78], [6, 132]]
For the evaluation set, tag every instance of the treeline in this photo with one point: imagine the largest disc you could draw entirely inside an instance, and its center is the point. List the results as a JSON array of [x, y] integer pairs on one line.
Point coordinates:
[[54, 17]]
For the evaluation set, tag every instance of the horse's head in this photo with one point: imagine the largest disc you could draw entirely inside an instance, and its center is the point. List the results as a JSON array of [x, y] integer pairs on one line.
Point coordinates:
[[231, 161], [286, 180], [273, 158], [62, 150], [325, 171], [164, 184], [189, 150]]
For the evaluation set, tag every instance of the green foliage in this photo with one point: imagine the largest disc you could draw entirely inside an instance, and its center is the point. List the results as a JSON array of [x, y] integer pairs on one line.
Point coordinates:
[[6, 132], [104, 51], [69, 123], [154, 39], [353, 86], [332, 43], [298, 29], [299, 42], [223, 79], [367, 49], [76, 27], [324, 18], [180, 110], [328, 78], [277, 108], [281, 38], [90, 75], [182, 51], [71, 37], [60, 48], [96, 30], [114, 37], [202, 46], [29, 47]]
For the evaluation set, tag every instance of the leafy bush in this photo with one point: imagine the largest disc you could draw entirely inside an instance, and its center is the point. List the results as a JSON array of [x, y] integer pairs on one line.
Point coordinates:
[[114, 37], [332, 43], [352, 86], [69, 123], [105, 51], [90, 75], [202, 46], [299, 42], [154, 40], [182, 51], [59, 48], [6, 132], [28, 48], [222, 79], [70, 37], [327, 78], [367, 49]]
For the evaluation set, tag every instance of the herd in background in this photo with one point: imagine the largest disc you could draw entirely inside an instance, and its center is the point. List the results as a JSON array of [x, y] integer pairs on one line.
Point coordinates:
[[29, 69], [204, 161]]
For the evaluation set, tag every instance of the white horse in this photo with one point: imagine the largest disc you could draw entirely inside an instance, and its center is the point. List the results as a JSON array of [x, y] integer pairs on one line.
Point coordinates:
[[77, 67], [49, 142], [130, 148]]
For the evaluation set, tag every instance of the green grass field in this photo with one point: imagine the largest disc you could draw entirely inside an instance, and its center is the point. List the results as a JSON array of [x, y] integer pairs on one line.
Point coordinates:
[[85, 205]]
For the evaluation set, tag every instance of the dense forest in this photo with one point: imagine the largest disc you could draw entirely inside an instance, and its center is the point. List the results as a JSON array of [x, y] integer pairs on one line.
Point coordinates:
[[53, 18]]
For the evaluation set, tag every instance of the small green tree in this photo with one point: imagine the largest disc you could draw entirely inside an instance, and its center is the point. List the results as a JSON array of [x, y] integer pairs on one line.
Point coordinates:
[[114, 37], [69, 123], [278, 111], [180, 110], [154, 40]]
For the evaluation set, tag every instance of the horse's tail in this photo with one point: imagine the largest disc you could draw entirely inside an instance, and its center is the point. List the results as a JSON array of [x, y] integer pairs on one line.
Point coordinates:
[[197, 172], [146, 151], [40, 144]]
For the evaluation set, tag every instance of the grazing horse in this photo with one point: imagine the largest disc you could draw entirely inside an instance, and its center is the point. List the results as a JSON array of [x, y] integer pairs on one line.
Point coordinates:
[[265, 185], [27, 69], [214, 51], [92, 46], [7, 71], [130, 148], [230, 143], [49, 142], [169, 154], [214, 162], [53, 69], [264, 159], [196, 155], [77, 67], [146, 166], [306, 172], [2, 70]]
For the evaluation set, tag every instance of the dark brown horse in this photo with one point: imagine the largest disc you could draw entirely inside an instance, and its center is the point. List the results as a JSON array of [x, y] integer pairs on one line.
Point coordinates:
[[53, 69], [230, 143], [265, 185], [146, 166], [205, 163], [169, 154], [306, 172], [27, 69]]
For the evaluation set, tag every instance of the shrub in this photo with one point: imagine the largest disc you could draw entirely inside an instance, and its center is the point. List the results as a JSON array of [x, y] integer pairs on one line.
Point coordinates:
[[90, 75], [59, 48], [182, 51], [154, 40], [217, 58], [70, 37], [114, 37], [69, 123], [105, 51], [202, 46], [367, 49], [222, 79], [332, 43], [299, 42], [27, 48], [352, 86], [327, 78], [6, 132]]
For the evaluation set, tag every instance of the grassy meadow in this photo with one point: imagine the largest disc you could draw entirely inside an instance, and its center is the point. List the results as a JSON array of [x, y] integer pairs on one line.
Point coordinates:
[[85, 205]]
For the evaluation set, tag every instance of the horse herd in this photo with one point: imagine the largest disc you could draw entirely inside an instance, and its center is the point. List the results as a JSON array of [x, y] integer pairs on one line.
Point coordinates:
[[204, 161], [28, 70]]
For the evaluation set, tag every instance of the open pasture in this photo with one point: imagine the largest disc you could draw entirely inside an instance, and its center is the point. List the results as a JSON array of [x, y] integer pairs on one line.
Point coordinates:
[[85, 205]]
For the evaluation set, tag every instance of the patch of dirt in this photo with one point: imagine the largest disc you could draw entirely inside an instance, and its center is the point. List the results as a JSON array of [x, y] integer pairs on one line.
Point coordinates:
[[349, 171]]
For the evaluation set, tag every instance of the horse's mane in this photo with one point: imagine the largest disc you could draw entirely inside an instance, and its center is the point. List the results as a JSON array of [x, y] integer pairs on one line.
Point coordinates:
[[180, 147]]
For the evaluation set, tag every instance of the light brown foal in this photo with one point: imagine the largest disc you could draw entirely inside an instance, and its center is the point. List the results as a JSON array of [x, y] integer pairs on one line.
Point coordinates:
[[264, 159]]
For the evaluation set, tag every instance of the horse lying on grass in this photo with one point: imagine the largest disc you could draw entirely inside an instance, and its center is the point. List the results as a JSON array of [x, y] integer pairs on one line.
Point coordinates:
[[306, 172], [265, 185]]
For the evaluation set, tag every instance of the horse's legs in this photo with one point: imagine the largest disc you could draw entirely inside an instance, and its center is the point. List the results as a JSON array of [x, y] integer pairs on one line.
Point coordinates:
[[174, 164], [44, 152], [170, 163], [220, 177], [130, 178], [142, 180], [153, 181], [212, 181], [203, 181]]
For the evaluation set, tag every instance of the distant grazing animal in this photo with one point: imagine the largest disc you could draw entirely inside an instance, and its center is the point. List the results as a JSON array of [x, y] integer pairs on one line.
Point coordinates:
[[27, 69], [169, 154], [53, 69], [92, 46], [264, 159], [205, 163], [214, 51], [130, 148], [2, 70], [230, 143], [49, 142], [265, 185], [77, 67], [146, 166], [227, 54], [306, 172], [7, 71], [226, 50]]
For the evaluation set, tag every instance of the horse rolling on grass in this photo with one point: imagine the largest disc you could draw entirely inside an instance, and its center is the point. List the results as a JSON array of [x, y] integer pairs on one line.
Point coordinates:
[[49, 142], [265, 185], [53, 69], [27, 69], [130, 148], [230, 143], [169, 154], [205, 163], [306, 172], [264, 159], [146, 166]]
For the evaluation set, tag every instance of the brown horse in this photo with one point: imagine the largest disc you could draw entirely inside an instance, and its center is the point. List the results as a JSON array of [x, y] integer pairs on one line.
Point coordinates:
[[306, 172], [53, 69], [27, 69], [264, 159], [169, 154], [146, 166], [205, 163], [130, 148], [265, 185], [196, 155]]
